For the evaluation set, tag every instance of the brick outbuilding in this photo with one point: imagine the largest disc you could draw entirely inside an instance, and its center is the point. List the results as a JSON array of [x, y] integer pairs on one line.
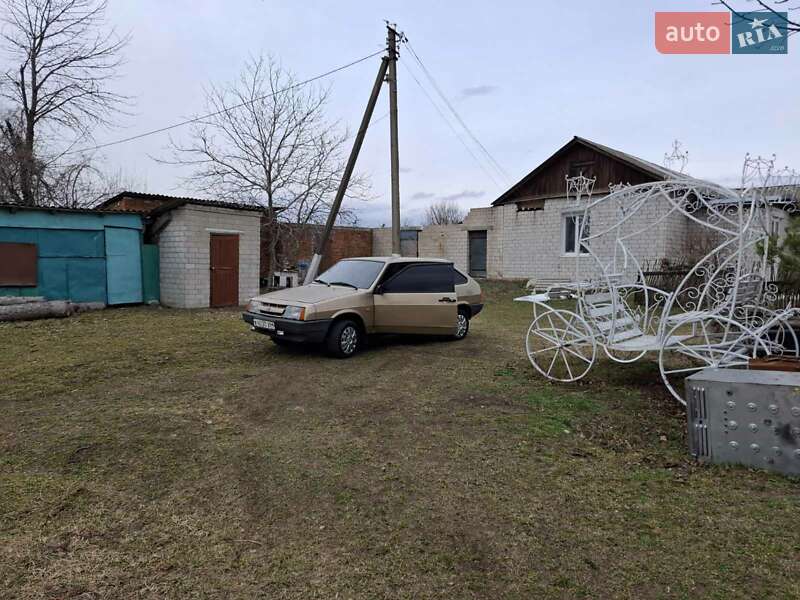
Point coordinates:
[[209, 251]]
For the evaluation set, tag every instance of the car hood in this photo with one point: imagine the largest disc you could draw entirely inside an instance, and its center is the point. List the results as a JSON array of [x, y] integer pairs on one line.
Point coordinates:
[[307, 294]]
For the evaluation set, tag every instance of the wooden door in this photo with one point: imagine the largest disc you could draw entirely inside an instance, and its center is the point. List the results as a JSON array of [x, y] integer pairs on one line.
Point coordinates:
[[224, 270]]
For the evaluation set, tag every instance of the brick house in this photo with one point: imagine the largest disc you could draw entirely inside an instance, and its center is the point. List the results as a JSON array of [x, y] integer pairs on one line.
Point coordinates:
[[529, 230], [209, 251]]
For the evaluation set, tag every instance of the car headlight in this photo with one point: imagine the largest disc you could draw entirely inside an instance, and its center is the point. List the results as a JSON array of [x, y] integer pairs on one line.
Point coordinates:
[[252, 306], [294, 312]]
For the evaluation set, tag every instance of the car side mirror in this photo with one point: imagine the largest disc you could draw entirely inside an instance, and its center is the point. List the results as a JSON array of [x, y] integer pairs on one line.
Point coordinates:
[[378, 289]]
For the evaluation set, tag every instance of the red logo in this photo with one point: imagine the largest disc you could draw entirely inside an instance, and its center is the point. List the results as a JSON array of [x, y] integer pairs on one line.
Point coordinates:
[[693, 32]]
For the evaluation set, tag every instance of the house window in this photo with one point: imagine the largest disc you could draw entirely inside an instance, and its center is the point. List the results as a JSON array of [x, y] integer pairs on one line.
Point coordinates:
[[575, 227]]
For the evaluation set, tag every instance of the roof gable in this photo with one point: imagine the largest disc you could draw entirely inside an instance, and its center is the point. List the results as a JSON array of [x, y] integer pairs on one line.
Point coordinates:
[[607, 164]]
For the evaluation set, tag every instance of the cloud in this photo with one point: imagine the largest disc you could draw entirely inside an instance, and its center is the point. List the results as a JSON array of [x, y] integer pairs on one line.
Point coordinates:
[[478, 90], [466, 194], [422, 196]]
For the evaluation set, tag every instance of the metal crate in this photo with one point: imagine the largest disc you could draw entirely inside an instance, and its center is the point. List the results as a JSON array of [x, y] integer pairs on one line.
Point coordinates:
[[745, 417]]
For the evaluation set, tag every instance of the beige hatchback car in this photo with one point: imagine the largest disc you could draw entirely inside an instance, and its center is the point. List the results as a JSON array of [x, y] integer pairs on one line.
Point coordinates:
[[357, 297]]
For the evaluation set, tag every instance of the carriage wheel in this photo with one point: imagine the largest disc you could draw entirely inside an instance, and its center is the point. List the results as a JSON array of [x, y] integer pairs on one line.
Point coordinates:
[[560, 345], [713, 342]]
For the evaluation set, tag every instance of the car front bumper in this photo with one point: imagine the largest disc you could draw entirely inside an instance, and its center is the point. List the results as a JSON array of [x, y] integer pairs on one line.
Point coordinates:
[[303, 332]]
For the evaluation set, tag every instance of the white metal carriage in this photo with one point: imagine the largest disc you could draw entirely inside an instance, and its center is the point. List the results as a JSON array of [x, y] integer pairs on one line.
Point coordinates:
[[716, 316]]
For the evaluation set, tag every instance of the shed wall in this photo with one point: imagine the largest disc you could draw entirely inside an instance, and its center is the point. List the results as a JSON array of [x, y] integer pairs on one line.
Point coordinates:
[[72, 257], [184, 253]]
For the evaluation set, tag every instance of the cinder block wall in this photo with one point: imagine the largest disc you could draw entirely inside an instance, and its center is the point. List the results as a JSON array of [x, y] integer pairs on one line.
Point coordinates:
[[529, 244], [445, 241], [184, 249], [382, 241]]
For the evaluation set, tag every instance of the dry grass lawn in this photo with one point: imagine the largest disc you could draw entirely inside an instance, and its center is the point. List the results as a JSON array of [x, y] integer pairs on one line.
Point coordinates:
[[153, 453]]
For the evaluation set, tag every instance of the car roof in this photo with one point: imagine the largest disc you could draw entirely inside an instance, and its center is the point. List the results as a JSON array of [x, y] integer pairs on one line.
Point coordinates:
[[400, 259]]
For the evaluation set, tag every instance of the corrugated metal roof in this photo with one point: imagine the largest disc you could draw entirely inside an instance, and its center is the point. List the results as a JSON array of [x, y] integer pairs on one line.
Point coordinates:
[[172, 202], [98, 210]]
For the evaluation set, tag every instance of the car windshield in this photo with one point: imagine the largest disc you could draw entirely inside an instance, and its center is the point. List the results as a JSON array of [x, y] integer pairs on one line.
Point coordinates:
[[352, 273]]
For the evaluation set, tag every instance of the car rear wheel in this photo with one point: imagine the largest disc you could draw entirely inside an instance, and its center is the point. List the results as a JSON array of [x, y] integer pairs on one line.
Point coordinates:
[[344, 339], [462, 325]]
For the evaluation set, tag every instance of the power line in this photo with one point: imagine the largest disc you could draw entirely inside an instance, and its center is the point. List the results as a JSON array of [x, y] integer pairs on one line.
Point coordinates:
[[474, 138], [450, 125], [224, 110]]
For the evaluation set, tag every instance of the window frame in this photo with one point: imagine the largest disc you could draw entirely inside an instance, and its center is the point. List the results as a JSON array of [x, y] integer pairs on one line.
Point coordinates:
[[579, 249]]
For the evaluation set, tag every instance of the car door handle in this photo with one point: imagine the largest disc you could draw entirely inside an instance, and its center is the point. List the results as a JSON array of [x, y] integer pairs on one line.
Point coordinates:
[[445, 299]]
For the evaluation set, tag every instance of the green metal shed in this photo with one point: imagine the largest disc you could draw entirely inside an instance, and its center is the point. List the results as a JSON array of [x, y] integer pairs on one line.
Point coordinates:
[[71, 254]]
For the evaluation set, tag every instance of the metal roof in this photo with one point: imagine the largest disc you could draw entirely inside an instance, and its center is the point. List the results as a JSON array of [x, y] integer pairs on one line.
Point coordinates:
[[66, 209], [171, 202]]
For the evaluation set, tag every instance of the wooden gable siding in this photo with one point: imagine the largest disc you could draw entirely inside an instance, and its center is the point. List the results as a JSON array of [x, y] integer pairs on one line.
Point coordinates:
[[550, 181], [134, 204]]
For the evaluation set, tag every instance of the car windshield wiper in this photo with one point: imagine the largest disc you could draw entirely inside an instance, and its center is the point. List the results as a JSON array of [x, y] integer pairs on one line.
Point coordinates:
[[322, 281], [355, 287]]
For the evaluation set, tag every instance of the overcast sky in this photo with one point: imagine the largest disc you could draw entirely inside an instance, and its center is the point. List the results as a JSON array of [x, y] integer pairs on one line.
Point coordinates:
[[525, 77]]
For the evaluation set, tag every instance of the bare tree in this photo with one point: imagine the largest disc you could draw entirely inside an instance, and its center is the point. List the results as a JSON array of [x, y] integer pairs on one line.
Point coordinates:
[[64, 57], [268, 143], [444, 212], [775, 7], [83, 184]]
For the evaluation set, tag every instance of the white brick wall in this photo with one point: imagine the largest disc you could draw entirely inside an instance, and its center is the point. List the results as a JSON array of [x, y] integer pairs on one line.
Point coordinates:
[[529, 244], [184, 249], [382, 241]]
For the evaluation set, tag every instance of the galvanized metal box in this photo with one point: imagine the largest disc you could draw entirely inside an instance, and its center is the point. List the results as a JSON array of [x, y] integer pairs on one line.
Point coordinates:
[[745, 417]]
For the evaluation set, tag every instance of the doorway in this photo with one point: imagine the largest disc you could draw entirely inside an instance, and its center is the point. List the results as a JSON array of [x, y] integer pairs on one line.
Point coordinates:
[[477, 253], [224, 270]]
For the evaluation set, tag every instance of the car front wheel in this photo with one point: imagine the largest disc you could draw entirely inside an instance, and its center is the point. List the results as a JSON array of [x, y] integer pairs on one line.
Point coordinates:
[[462, 325], [344, 339]]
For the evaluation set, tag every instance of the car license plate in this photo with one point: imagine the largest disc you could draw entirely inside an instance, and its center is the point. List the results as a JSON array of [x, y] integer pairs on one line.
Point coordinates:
[[262, 324]]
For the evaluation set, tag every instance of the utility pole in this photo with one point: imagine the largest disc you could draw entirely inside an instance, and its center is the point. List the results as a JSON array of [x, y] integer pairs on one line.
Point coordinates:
[[313, 268], [391, 45], [388, 64]]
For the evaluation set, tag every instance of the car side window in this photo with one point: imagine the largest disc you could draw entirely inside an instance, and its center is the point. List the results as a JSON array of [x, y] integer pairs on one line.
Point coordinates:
[[422, 279], [391, 270], [459, 277]]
